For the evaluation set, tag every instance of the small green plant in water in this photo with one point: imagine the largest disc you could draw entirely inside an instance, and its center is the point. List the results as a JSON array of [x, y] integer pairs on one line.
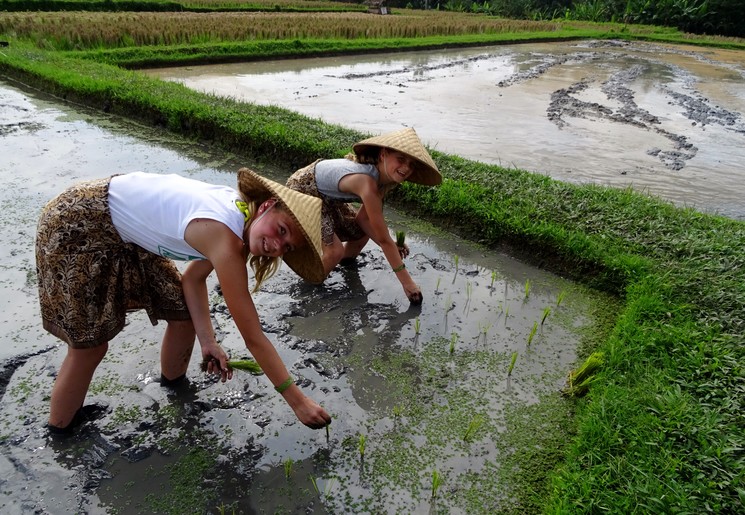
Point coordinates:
[[361, 445], [437, 286], [493, 278], [436, 482], [473, 426], [527, 288], [416, 325], [288, 463], [560, 298], [512, 363], [546, 312], [400, 238], [453, 339], [532, 333]]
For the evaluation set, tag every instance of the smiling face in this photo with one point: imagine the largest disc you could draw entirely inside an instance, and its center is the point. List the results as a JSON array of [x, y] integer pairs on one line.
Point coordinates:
[[273, 232], [395, 166]]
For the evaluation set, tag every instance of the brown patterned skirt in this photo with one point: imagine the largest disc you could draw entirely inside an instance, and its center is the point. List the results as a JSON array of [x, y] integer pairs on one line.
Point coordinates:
[[337, 216], [89, 278]]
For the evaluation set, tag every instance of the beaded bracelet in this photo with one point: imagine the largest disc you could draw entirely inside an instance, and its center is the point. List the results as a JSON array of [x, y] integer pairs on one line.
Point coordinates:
[[285, 385], [400, 267]]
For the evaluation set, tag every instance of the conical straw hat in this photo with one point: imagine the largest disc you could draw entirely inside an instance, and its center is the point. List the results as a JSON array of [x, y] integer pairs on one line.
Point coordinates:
[[305, 209], [406, 141]]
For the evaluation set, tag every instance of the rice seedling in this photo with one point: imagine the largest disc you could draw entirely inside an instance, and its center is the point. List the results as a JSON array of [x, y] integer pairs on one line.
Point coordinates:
[[512, 363], [327, 431], [579, 381], [448, 304], [546, 312], [532, 333], [288, 464], [484, 329], [436, 482], [527, 288], [361, 446], [327, 489], [560, 297], [417, 325], [453, 339], [437, 286], [400, 238], [456, 258], [398, 411], [473, 426], [247, 365], [493, 278]]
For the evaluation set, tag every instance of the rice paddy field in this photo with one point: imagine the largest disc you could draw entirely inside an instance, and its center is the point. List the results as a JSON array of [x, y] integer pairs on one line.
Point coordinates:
[[660, 429]]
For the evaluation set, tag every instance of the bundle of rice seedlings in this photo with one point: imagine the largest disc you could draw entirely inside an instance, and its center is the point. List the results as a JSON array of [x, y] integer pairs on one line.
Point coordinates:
[[579, 381], [247, 365], [400, 238]]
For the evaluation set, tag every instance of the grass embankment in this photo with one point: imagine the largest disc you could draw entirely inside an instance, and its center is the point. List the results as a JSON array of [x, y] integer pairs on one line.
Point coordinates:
[[662, 428]]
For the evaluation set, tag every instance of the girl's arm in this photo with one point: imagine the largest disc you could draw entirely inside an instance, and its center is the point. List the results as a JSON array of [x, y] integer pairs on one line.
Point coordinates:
[[370, 218], [194, 284], [225, 252]]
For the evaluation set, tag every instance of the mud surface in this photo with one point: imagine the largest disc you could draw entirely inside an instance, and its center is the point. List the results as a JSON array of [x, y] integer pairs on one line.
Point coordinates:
[[663, 119], [413, 391]]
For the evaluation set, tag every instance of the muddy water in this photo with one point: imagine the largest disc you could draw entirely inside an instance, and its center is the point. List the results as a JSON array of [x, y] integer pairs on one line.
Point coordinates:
[[667, 120], [405, 381]]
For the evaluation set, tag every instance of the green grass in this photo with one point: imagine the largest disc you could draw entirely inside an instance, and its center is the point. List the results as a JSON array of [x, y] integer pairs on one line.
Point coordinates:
[[661, 429]]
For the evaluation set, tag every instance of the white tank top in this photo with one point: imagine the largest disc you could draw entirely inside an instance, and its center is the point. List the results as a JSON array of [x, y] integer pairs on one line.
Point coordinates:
[[153, 210]]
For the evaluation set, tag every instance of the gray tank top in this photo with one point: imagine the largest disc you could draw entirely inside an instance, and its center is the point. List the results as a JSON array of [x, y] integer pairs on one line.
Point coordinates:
[[330, 171]]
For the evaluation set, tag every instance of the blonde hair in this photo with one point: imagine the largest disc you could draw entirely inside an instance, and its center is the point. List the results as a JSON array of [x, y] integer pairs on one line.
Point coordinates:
[[263, 266]]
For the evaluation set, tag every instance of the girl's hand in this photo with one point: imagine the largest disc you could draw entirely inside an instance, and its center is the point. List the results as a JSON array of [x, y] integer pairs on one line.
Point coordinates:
[[215, 361], [311, 414], [413, 293], [403, 251]]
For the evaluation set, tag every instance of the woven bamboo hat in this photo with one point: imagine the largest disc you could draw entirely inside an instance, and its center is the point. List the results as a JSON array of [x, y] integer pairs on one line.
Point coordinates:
[[406, 141], [306, 210]]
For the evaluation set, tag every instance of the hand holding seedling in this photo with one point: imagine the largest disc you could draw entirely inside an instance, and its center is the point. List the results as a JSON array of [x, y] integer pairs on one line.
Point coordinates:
[[403, 248], [215, 361]]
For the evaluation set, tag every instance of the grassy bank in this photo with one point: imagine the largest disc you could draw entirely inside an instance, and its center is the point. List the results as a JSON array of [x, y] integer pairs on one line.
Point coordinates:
[[662, 428]]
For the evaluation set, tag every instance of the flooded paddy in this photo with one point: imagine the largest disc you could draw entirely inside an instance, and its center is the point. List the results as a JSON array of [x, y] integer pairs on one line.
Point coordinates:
[[416, 392], [662, 119]]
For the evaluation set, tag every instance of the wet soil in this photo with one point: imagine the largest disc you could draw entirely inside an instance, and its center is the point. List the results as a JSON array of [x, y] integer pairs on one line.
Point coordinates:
[[662, 119], [414, 391]]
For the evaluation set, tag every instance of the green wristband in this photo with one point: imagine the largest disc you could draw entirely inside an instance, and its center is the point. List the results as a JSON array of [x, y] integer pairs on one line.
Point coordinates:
[[284, 386], [399, 268]]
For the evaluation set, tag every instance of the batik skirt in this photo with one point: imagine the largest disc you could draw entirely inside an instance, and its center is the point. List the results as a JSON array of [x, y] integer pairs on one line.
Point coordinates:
[[89, 278]]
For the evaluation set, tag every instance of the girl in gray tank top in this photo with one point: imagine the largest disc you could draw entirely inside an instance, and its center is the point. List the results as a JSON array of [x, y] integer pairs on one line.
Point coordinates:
[[377, 165]]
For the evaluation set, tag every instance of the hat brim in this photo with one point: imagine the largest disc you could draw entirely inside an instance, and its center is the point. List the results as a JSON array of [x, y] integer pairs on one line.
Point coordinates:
[[305, 209], [407, 142]]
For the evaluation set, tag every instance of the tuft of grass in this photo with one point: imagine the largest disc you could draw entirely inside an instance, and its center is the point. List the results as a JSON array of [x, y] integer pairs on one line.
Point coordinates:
[[512, 363], [546, 312], [436, 483], [400, 238], [288, 465], [474, 425], [527, 288], [533, 330]]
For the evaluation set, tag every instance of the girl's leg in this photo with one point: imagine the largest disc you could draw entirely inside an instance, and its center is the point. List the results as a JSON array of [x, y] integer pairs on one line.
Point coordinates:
[[353, 248], [72, 383], [176, 349], [332, 254]]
